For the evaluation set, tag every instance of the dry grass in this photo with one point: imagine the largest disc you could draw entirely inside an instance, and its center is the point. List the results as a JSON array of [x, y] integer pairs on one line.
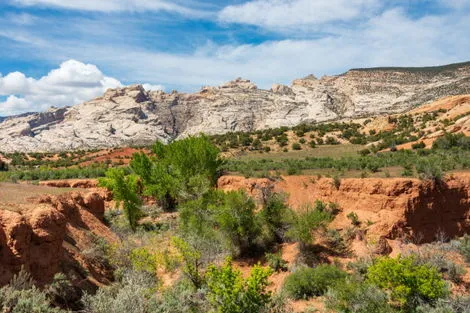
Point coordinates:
[[16, 197], [334, 151]]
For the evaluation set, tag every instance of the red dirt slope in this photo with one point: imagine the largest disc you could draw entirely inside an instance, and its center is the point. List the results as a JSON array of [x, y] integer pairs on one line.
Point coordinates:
[[394, 208]]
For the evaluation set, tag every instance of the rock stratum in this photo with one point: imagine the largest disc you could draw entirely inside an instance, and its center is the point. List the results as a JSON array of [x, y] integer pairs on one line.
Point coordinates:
[[54, 234], [395, 208], [134, 116]]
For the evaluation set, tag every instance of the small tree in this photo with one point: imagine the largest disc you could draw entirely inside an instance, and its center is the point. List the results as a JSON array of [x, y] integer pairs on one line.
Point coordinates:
[[169, 174], [124, 189], [191, 259]]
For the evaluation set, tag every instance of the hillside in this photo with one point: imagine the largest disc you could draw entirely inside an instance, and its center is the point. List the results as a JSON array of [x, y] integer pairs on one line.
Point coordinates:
[[134, 116]]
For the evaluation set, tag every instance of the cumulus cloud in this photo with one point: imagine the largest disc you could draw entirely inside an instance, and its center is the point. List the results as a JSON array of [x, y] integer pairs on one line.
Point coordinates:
[[276, 14], [115, 5], [392, 38], [151, 87], [14, 104], [73, 82]]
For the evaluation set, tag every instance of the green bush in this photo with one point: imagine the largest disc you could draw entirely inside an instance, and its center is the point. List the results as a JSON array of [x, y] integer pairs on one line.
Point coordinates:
[[144, 260], [429, 168], [306, 282], [419, 145], [296, 146], [464, 247], [230, 293], [451, 305], [352, 216], [276, 216], [276, 262], [304, 223], [21, 296], [134, 293], [229, 219], [407, 282], [357, 297]]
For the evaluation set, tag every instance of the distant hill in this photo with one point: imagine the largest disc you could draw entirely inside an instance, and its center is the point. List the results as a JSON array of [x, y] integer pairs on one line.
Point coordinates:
[[133, 116], [435, 69]]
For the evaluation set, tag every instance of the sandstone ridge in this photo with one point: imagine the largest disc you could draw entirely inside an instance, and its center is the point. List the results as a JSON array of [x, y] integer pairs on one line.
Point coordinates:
[[135, 116]]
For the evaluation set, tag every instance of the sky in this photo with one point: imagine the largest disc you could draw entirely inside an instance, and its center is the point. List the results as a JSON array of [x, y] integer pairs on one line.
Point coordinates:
[[64, 52]]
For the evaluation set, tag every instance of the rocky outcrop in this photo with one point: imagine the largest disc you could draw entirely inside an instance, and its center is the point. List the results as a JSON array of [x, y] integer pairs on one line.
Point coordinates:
[[134, 116], [394, 208], [52, 237]]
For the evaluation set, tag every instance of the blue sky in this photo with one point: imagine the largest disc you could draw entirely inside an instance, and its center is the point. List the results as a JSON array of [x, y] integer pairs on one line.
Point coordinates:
[[56, 52]]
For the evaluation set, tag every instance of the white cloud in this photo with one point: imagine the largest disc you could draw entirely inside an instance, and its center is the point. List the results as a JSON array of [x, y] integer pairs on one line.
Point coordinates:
[[390, 39], [151, 87], [115, 5], [278, 14], [13, 105], [73, 82]]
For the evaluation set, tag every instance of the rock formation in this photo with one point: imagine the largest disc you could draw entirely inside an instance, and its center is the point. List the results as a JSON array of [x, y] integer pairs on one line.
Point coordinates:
[[53, 237], [394, 208], [134, 116]]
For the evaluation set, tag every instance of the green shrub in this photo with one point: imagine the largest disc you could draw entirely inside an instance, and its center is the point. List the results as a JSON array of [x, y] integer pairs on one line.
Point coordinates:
[[302, 140], [304, 223], [451, 305], [135, 293], [230, 293], [228, 219], [21, 296], [407, 281], [331, 141], [144, 260], [336, 242], [336, 182], [419, 145], [364, 152], [276, 216], [306, 282], [296, 146], [181, 298], [352, 216], [276, 262], [464, 247], [429, 169], [357, 297]]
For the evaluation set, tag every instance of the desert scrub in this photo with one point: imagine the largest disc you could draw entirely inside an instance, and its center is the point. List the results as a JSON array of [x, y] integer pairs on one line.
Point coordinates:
[[464, 247], [21, 296], [352, 216], [276, 262], [407, 281], [357, 297], [229, 292], [306, 282]]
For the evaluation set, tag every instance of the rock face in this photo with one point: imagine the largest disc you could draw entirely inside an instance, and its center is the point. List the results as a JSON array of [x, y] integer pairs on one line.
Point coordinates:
[[132, 115], [53, 237], [395, 207]]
